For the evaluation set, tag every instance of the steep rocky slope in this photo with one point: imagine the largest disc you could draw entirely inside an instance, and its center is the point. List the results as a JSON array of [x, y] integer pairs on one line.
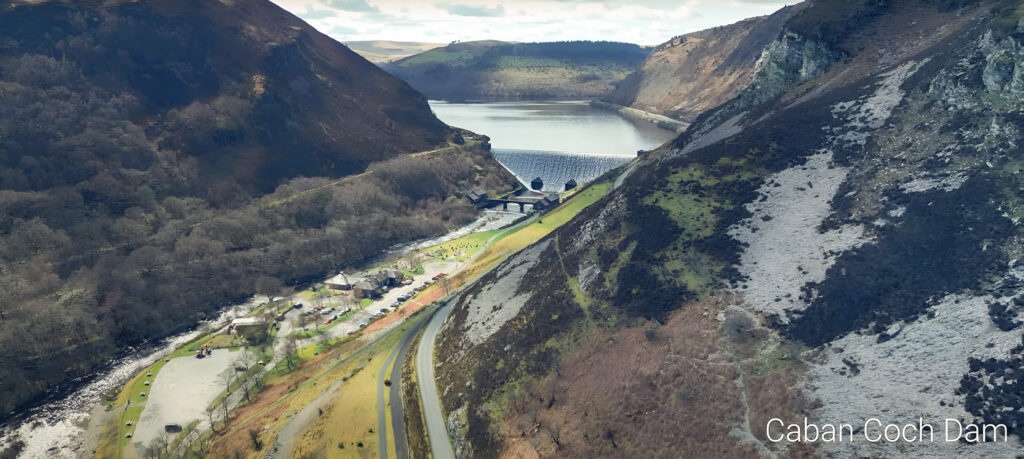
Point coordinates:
[[698, 71], [840, 241], [161, 159], [497, 70]]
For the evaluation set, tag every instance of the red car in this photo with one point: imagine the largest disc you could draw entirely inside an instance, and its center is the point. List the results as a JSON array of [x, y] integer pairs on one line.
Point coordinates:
[[328, 321]]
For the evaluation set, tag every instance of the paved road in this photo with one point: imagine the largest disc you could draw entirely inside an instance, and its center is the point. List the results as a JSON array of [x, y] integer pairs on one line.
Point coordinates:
[[382, 422], [397, 410], [440, 444]]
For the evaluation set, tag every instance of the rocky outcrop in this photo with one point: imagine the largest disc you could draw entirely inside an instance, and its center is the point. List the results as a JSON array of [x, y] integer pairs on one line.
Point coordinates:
[[789, 60], [696, 72], [1004, 65]]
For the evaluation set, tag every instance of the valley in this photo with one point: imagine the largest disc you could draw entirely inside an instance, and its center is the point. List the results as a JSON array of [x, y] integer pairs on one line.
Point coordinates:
[[226, 234]]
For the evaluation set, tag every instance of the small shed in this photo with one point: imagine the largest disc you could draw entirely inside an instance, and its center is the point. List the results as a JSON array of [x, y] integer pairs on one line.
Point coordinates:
[[548, 202], [477, 196], [253, 329], [537, 184], [570, 184], [339, 282]]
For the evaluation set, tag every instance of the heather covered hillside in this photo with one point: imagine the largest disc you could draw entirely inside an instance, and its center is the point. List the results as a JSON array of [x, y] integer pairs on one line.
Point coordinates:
[[162, 159], [838, 241]]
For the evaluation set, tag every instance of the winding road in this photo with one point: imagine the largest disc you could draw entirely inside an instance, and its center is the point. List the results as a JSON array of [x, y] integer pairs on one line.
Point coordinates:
[[440, 444], [397, 412], [437, 430]]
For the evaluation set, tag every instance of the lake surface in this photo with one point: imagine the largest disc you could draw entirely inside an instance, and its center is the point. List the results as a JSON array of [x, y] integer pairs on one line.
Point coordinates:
[[556, 141]]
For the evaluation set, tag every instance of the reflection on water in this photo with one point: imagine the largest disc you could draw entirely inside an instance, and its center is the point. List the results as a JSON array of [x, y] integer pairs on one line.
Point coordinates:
[[556, 141]]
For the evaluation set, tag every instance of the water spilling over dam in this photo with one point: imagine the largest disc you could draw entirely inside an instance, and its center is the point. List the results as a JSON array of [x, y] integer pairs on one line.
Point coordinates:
[[557, 168]]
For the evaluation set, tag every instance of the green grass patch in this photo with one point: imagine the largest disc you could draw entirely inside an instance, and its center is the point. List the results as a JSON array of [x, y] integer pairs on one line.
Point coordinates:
[[439, 56], [322, 329], [769, 359]]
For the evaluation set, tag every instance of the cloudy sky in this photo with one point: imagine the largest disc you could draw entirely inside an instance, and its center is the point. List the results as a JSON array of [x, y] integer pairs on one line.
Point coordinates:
[[647, 22]]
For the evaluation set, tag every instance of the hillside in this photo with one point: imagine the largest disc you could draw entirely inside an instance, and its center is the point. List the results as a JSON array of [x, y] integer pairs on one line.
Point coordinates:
[[496, 70], [160, 160], [840, 241], [698, 71], [384, 51]]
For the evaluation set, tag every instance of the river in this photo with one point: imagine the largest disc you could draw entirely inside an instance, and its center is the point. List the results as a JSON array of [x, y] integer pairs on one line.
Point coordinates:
[[58, 429], [557, 141]]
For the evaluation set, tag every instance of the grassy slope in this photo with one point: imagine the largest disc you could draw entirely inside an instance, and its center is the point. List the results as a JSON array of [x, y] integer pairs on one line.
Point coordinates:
[[347, 419]]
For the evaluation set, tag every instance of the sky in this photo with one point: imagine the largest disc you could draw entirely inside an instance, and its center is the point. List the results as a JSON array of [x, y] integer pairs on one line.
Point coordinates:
[[648, 22]]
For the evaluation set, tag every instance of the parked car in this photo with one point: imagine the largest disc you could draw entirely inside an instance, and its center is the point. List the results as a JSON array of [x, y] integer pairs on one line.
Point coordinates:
[[375, 315], [297, 305], [350, 332], [328, 321], [384, 310], [396, 304], [362, 324]]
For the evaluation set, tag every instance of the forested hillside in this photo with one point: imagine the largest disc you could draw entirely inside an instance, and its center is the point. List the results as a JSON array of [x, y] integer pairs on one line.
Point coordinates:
[[496, 70], [154, 166]]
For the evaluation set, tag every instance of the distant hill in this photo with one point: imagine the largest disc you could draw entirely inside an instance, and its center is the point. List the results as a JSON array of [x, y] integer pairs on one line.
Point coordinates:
[[698, 71], [499, 70], [384, 51]]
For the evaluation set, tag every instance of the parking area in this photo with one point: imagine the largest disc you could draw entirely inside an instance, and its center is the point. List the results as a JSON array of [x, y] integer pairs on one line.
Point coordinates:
[[383, 305], [181, 391]]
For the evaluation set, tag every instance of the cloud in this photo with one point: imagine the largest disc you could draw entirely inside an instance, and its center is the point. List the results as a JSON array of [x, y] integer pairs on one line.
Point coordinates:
[[342, 31], [314, 14], [459, 9], [358, 6], [647, 22]]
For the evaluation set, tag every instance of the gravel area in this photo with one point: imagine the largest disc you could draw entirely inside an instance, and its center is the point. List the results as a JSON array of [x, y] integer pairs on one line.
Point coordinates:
[[181, 391]]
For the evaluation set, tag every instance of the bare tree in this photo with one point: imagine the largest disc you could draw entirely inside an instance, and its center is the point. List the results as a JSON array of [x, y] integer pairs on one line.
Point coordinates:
[[211, 416], [291, 349], [227, 378], [247, 359], [269, 286]]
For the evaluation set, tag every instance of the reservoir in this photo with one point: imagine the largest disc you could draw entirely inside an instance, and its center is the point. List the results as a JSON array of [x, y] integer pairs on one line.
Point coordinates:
[[557, 141]]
